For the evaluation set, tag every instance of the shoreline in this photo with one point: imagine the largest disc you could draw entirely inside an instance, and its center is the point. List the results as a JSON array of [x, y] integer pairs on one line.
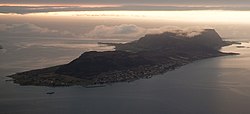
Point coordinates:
[[151, 55], [48, 77]]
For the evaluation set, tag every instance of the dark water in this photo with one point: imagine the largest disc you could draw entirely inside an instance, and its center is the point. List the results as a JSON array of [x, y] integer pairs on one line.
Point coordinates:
[[212, 86]]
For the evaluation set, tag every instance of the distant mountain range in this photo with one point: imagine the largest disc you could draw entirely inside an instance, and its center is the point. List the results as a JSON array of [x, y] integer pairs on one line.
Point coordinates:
[[150, 55]]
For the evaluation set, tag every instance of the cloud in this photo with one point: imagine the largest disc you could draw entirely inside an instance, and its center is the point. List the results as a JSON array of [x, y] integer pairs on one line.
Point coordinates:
[[44, 9], [123, 31], [31, 30], [117, 31], [25, 9], [125, 1], [184, 31], [132, 31]]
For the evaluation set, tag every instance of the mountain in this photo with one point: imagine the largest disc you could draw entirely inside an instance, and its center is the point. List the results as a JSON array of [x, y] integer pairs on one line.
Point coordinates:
[[208, 38], [150, 55]]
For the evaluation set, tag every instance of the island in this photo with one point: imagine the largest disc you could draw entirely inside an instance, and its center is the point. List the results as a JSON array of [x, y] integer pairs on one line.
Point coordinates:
[[150, 55]]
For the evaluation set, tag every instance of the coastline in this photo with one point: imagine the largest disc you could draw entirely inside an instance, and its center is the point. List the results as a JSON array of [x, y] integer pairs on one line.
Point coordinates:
[[151, 55], [48, 77]]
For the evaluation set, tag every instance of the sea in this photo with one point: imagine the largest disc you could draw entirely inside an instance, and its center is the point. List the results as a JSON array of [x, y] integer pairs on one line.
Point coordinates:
[[218, 85]]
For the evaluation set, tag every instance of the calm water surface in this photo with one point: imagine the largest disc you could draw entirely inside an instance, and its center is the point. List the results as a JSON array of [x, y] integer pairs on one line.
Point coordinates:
[[212, 86]]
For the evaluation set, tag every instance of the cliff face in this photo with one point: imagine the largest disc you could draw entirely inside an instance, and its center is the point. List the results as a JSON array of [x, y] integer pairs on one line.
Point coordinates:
[[209, 38]]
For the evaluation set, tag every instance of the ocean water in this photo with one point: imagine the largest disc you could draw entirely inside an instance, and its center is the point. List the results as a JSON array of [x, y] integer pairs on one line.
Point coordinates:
[[212, 86]]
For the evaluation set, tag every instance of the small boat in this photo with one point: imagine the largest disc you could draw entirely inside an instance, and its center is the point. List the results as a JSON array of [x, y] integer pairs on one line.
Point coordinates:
[[95, 86], [50, 92]]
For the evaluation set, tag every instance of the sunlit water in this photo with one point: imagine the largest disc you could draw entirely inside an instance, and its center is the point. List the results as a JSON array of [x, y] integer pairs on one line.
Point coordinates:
[[212, 86]]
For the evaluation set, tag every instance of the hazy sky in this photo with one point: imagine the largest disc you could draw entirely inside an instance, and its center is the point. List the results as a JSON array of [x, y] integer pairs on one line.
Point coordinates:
[[121, 24], [120, 18], [214, 2], [33, 6]]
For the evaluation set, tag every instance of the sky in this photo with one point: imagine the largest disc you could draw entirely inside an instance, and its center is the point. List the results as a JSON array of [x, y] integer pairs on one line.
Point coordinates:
[[127, 1], [33, 6], [120, 19]]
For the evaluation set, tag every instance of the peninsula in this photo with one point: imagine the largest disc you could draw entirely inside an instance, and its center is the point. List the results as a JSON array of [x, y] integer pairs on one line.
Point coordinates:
[[150, 55]]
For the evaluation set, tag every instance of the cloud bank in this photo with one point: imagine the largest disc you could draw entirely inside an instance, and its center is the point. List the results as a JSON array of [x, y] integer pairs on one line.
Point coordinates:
[[125, 2], [43, 9], [117, 31], [31, 30], [123, 31], [133, 31]]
